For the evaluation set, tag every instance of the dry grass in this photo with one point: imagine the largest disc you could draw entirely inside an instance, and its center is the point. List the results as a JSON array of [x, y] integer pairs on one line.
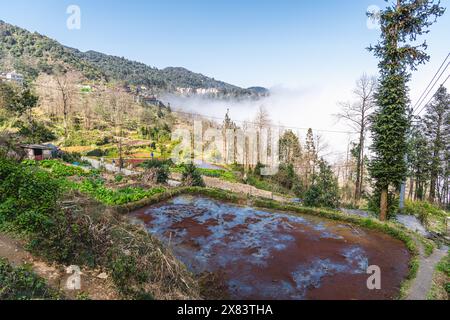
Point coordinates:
[[140, 265]]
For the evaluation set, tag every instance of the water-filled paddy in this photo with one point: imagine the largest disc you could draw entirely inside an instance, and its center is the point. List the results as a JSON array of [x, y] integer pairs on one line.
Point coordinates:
[[261, 254]]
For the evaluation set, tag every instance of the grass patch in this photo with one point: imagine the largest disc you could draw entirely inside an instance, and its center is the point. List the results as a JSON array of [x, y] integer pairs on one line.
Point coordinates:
[[267, 185], [428, 246], [220, 174], [440, 289]]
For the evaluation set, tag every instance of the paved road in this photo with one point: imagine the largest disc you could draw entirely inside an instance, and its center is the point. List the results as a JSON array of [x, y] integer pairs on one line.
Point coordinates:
[[109, 167]]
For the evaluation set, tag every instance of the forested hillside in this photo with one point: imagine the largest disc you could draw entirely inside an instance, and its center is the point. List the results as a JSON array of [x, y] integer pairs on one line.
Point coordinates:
[[32, 54]]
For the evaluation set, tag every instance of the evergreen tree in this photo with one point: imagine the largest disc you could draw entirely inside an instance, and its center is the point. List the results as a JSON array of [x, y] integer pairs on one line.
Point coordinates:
[[290, 148], [419, 162], [401, 24], [437, 122], [310, 158], [324, 191]]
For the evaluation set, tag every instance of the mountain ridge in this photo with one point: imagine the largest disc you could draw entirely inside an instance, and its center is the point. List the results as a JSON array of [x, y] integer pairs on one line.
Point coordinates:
[[33, 53]]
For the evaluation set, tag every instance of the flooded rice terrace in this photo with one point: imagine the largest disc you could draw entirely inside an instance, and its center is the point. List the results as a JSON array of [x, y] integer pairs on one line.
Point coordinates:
[[261, 254]]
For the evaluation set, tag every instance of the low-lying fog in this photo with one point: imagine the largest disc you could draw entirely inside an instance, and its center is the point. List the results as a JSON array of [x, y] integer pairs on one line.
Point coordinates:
[[300, 108]]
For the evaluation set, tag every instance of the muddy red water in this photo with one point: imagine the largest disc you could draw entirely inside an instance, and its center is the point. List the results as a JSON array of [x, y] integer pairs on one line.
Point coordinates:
[[270, 255]]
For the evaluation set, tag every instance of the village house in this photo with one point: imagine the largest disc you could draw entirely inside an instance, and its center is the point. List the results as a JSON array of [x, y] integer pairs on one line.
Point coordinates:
[[38, 152]]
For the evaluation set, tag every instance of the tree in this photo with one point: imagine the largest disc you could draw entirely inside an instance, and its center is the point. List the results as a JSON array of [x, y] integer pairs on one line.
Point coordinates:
[[262, 121], [437, 123], [120, 105], [65, 85], [16, 100], [16, 110], [324, 191], [357, 114], [309, 159], [228, 125], [290, 148], [401, 24], [419, 160]]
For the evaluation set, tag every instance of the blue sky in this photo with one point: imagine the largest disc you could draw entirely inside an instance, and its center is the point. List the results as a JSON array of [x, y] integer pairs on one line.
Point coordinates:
[[247, 42], [312, 51]]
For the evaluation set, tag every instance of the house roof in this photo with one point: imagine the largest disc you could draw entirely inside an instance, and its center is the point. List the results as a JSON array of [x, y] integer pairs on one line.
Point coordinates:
[[36, 147]]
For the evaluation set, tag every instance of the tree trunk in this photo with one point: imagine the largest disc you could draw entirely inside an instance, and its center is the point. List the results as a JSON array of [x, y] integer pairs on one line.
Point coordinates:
[[65, 115], [411, 188], [432, 195], [384, 204], [359, 166]]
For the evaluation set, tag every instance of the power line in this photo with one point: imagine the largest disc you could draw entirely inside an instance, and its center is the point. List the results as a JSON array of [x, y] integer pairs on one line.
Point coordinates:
[[420, 102], [448, 77], [254, 123], [429, 84]]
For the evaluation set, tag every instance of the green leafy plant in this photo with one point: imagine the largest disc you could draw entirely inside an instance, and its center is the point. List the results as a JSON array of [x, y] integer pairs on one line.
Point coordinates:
[[21, 283], [97, 189]]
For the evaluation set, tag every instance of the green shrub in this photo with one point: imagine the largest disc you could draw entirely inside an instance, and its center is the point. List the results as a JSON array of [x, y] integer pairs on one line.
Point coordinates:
[[29, 199], [192, 176], [161, 168], [263, 184], [286, 176], [324, 191], [22, 283], [96, 153], [423, 210], [71, 157], [118, 178], [28, 196], [35, 132]]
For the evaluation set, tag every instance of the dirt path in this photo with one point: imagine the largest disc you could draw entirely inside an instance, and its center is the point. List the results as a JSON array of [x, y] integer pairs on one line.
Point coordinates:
[[421, 285], [95, 287]]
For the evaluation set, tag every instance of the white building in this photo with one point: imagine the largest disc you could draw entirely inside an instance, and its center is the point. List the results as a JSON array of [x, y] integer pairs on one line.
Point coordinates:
[[12, 77]]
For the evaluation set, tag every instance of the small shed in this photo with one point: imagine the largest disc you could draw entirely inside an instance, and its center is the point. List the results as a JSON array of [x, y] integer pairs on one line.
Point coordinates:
[[37, 152]]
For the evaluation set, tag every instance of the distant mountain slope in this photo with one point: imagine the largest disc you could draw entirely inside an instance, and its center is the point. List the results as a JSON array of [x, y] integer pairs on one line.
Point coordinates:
[[137, 73], [32, 53]]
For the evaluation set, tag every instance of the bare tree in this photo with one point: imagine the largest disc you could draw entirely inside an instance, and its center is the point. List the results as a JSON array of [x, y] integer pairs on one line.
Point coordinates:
[[120, 106], [357, 115], [262, 121], [66, 87]]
